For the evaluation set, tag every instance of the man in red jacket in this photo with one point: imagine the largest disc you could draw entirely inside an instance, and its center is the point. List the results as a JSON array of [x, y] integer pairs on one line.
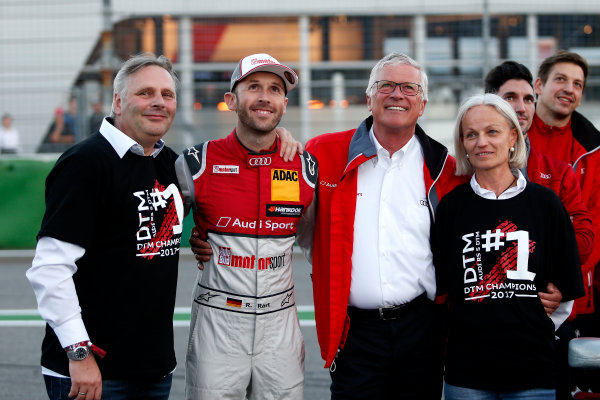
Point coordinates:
[[563, 133], [513, 82], [373, 275]]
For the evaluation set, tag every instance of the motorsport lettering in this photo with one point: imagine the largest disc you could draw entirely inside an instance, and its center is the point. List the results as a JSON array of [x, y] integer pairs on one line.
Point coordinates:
[[249, 262]]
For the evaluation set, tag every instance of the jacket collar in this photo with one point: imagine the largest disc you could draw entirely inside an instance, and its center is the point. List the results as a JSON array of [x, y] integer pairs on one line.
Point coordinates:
[[434, 153], [361, 142], [585, 132], [362, 149]]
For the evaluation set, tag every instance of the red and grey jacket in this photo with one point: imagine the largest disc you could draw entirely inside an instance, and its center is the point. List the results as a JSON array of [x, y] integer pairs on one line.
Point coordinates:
[[249, 207], [560, 177], [339, 156], [583, 140]]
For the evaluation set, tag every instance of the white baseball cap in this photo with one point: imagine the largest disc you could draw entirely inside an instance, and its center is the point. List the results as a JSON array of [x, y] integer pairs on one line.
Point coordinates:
[[263, 62]]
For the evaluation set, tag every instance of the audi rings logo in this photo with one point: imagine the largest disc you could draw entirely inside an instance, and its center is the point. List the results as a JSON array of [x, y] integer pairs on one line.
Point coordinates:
[[259, 161]]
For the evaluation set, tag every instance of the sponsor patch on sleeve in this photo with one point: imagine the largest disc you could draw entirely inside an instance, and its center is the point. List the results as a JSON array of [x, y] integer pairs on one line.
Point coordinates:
[[226, 169], [284, 185]]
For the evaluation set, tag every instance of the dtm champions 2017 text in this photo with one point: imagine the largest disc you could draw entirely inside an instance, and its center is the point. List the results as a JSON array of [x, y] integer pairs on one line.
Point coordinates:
[[523, 287]]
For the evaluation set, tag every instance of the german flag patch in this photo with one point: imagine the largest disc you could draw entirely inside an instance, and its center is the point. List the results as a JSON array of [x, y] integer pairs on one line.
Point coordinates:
[[234, 302]]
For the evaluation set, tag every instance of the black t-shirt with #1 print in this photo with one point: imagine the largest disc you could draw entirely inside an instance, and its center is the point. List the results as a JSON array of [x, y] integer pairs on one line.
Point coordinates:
[[492, 257], [127, 214]]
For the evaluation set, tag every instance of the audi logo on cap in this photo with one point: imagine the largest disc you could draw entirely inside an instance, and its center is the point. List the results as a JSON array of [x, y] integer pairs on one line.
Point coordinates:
[[259, 161]]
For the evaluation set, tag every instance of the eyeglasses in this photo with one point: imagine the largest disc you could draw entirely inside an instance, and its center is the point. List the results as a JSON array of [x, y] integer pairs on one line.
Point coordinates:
[[408, 88]]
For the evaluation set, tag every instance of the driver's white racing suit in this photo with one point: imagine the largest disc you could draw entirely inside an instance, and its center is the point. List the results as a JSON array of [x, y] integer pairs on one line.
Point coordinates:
[[245, 337]]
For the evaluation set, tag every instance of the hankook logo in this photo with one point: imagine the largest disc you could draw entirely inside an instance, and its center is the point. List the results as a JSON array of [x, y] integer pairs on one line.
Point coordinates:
[[259, 161], [284, 210]]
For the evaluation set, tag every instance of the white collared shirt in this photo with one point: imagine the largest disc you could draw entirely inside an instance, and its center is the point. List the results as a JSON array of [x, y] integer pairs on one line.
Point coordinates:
[[123, 143], [53, 266], [507, 194], [392, 260]]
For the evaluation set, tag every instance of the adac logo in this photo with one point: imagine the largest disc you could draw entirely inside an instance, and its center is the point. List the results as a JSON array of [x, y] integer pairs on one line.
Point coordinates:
[[285, 175], [259, 161], [284, 185], [284, 210]]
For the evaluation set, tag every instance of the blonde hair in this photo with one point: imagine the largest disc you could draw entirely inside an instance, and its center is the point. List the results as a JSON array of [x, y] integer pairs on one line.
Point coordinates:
[[517, 158]]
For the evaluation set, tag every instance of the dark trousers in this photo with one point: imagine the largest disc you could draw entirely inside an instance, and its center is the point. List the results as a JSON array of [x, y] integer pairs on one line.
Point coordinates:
[[159, 389], [391, 359]]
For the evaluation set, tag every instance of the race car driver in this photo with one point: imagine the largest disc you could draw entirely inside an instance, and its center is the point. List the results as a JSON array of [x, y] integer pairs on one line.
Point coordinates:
[[251, 206]]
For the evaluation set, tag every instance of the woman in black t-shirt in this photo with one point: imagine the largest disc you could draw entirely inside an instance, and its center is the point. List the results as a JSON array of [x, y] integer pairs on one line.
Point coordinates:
[[498, 241]]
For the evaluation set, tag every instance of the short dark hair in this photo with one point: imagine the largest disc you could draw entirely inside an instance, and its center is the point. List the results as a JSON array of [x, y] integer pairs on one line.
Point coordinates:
[[562, 56], [504, 72]]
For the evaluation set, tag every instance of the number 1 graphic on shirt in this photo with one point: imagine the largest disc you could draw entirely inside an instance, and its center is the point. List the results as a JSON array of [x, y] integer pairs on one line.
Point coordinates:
[[172, 190], [522, 238]]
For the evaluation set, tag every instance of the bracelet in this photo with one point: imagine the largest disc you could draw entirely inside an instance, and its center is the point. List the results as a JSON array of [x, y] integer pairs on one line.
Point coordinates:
[[80, 344], [98, 352]]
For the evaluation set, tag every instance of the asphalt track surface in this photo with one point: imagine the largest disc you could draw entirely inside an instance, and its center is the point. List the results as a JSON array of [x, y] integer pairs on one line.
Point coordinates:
[[21, 330]]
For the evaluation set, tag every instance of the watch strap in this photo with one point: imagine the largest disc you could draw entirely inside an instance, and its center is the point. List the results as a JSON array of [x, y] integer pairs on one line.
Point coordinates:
[[72, 347], [98, 352], [79, 353]]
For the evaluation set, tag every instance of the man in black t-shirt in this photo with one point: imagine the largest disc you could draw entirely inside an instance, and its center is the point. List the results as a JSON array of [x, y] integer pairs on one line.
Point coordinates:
[[105, 268]]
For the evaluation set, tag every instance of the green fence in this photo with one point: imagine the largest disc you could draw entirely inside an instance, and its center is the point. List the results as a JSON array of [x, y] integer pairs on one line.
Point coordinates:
[[22, 184]]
